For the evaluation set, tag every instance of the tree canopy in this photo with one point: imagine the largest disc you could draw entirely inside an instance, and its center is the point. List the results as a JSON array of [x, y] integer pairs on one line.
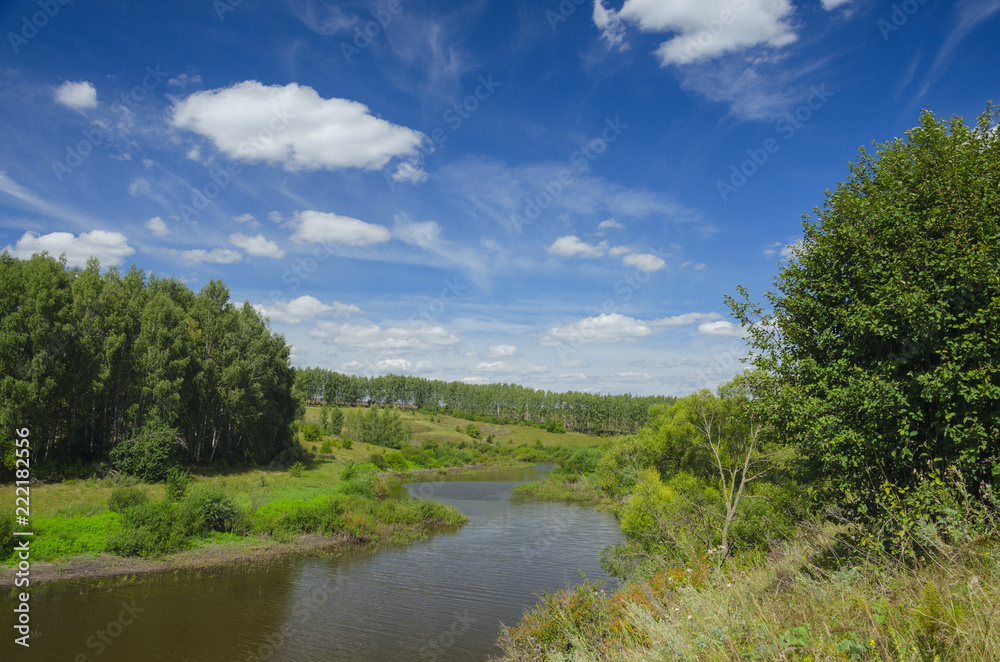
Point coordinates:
[[885, 326]]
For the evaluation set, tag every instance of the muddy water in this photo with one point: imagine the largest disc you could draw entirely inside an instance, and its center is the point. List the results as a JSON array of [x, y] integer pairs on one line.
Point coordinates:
[[439, 599]]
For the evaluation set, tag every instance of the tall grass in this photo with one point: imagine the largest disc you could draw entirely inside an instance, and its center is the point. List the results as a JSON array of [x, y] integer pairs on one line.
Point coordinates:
[[795, 604]]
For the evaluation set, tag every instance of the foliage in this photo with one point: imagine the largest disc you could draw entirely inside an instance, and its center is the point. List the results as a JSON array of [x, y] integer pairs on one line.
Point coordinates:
[[883, 329], [176, 484], [311, 431], [378, 459], [123, 498], [295, 469], [211, 510], [378, 427], [151, 455], [485, 403], [92, 361], [473, 431]]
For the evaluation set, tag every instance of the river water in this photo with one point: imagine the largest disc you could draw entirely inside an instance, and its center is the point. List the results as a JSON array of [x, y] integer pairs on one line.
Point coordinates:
[[441, 599]]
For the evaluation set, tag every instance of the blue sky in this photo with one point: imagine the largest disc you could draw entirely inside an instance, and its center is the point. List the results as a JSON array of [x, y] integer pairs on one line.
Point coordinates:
[[557, 194]]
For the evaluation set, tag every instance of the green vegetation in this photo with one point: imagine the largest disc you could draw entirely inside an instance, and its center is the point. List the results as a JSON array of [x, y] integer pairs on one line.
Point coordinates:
[[133, 371], [497, 404], [835, 503]]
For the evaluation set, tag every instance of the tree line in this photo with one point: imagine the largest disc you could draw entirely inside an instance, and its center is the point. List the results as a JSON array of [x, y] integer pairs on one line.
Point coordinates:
[[89, 361], [582, 412]]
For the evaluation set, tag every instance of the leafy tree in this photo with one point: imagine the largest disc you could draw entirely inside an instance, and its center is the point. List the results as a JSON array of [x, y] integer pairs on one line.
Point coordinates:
[[885, 327]]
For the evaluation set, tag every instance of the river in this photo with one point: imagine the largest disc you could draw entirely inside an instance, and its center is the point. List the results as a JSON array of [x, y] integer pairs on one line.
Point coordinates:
[[440, 599]]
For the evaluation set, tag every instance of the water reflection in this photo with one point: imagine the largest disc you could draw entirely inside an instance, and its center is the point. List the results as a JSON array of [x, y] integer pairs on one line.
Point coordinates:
[[440, 599]]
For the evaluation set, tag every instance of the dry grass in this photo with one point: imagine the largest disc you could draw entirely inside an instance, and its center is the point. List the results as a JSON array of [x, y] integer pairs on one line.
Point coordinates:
[[789, 606]]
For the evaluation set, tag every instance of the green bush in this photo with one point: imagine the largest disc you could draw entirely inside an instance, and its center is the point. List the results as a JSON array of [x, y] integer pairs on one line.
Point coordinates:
[[396, 461], [176, 484], [123, 498], [583, 461], [150, 455], [346, 443], [379, 461], [326, 446], [473, 431], [311, 431], [6, 535], [212, 510], [296, 469]]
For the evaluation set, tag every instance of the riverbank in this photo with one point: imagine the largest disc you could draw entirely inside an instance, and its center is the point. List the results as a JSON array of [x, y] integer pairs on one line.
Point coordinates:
[[329, 505]]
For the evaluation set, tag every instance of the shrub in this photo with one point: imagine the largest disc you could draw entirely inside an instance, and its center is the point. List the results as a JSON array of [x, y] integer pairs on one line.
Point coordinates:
[[396, 461], [346, 443], [311, 431], [176, 484], [473, 431], [326, 446], [123, 498], [151, 454], [6, 535], [583, 461], [213, 509], [296, 469], [379, 461]]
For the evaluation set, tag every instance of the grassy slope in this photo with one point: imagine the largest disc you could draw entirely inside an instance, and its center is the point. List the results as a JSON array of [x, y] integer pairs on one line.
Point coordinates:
[[443, 429]]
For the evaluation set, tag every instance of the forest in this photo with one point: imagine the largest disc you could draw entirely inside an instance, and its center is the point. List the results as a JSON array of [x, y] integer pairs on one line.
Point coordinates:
[[100, 363], [582, 412]]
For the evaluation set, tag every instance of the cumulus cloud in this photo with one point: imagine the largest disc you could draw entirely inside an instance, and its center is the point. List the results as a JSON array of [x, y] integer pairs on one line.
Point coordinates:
[[157, 226], [833, 4], [259, 245], [78, 96], [644, 261], [384, 341], [605, 328], [571, 245], [199, 255], [323, 227], [108, 247], [610, 224], [720, 329], [247, 219], [686, 318], [500, 351], [304, 308], [292, 125], [409, 172], [701, 30]]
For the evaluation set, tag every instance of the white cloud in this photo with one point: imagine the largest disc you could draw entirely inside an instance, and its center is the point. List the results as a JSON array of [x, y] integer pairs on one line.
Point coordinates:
[[833, 4], [493, 366], [259, 245], [393, 365], [619, 250], [392, 340], [701, 30], [199, 255], [409, 172], [108, 247], [605, 328], [294, 126], [686, 318], [323, 227], [631, 376], [571, 245], [644, 261], [612, 29], [720, 329], [248, 219], [422, 233], [474, 380], [78, 96], [157, 226], [610, 224], [184, 80], [500, 351], [304, 308], [352, 366]]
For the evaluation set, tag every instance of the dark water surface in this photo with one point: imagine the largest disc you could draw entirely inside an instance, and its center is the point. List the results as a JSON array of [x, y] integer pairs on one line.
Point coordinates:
[[439, 599]]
